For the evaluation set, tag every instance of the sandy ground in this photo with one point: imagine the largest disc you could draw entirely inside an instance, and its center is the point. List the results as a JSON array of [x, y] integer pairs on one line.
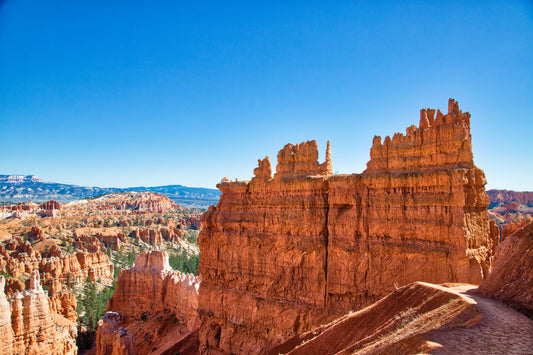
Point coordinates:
[[501, 331]]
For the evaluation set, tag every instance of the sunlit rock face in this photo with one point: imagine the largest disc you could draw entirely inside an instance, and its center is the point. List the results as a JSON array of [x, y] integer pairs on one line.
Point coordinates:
[[27, 326], [157, 305], [285, 252]]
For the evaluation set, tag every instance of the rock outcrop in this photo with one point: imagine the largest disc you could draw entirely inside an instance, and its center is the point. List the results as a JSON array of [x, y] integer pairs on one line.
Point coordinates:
[[513, 226], [500, 197], [61, 300], [79, 266], [148, 235], [283, 254], [112, 339], [137, 201], [28, 327], [51, 205], [157, 305], [511, 279]]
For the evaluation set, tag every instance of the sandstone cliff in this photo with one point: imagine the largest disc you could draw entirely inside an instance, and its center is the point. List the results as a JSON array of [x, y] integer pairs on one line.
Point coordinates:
[[28, 327], [281, 254], [79, 266], [112, 339], [157, 305]]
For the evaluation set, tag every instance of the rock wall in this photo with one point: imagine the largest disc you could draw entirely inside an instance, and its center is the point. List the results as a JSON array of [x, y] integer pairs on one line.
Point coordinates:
[[282, 254], [80, 266], [28, 327], [157, 304], [111, 339]]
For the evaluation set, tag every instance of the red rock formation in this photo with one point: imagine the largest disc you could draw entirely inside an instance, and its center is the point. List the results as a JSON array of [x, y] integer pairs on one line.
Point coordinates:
[[264, 170], [137, 201], [157, 304], [36, 234], [27, 325], [194, 222], [78, 266], [89, 243], [97, 265], [513, 226], [112, 339], [171, 234], [299, 160], [18, 257], [61, 300], [147, 235], [6, 330], [500, 197], [51, 205], [282, 255], [511, 279]]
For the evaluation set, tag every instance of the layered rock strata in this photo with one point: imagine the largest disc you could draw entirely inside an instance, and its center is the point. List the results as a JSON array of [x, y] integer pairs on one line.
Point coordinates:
[[80, 266], [282, 254], [157, 304], [112, 339], [27, 326]]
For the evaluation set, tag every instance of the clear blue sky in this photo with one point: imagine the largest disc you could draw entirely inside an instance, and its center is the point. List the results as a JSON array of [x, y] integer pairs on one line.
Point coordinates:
[[129, 93]]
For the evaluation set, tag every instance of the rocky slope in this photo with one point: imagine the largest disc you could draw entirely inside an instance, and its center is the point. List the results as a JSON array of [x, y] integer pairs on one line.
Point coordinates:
[[284, 253], [156, 304], [421, 318], [395, 324], [511, 279]]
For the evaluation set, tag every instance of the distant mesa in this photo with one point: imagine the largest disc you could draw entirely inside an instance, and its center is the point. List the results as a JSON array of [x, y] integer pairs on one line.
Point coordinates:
[[17, 179]]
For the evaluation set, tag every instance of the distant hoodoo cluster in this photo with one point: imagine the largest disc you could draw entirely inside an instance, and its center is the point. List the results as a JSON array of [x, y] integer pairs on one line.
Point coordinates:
[[288, 251]]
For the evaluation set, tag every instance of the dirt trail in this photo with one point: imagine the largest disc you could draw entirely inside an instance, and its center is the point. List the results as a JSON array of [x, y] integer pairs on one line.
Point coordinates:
[[501, 331]]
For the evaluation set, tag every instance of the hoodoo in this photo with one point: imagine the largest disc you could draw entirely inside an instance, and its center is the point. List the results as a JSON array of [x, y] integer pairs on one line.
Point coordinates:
[[281, 254]]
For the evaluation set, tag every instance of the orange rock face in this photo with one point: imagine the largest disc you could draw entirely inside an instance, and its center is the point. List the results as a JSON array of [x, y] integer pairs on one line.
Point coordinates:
[[138, 201], [148, 235], [157, 304], [79, 266], [27, 326], [511, 279], [282, 254], [112, 339], [51, 205]]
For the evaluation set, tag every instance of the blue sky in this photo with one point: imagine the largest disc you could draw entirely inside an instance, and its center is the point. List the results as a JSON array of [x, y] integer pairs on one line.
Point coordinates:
[[130, 93]]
